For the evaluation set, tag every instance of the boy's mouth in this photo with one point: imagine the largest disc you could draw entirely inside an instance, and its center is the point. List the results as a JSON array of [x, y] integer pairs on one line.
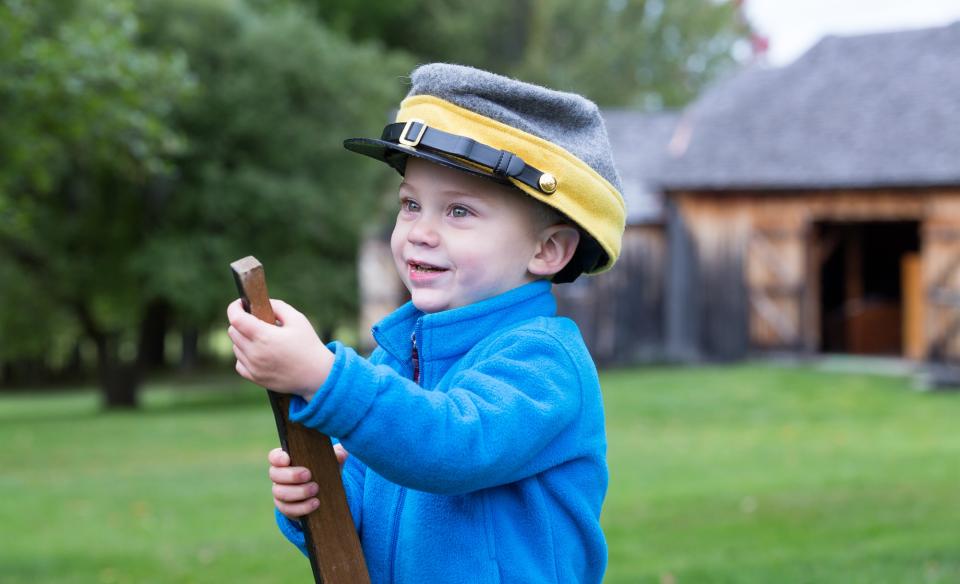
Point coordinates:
[[417, 266]]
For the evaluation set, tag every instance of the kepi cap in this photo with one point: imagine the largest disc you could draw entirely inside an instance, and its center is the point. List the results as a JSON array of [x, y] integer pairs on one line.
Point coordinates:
[[551, 145]]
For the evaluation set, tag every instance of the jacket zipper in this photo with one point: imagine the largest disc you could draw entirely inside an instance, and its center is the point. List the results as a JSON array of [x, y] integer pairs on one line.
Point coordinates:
[[394, 540], [415, 356], [396, 534]]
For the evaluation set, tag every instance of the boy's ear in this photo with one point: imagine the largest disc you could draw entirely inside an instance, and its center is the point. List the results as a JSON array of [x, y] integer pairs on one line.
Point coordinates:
[[556, 246]]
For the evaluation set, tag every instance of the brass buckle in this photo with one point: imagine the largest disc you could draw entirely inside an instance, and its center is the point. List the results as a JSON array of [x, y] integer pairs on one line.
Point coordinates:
[[406, 130]]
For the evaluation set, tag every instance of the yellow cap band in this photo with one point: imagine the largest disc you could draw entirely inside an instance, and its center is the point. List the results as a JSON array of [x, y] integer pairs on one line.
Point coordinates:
[[581, 193]]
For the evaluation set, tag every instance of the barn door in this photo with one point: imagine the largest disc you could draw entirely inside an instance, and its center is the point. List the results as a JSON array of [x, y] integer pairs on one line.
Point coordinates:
[[941, 260], [775, 261]]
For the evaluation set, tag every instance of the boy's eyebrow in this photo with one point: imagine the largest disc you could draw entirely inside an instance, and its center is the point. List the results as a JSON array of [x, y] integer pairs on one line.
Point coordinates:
[[455, 192], [404, 185], [459, 193]]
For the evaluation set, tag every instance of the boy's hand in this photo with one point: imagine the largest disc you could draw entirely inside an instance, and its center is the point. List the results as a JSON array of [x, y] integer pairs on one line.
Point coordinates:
[[289, 358], [293, 491]]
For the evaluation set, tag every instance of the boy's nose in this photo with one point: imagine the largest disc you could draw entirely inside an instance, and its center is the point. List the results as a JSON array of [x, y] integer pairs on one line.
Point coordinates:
[[424, 232]]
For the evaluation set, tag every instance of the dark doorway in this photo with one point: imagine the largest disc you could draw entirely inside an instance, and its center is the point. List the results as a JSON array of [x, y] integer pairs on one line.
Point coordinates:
[[861, 285]]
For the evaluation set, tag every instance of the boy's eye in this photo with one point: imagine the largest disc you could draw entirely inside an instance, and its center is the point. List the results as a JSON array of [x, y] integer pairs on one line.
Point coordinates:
[[409, 206], [459, 212]]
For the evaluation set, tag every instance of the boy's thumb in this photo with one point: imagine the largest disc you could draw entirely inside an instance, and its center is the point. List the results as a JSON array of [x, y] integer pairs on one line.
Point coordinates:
[[247, 324], [283, 311], [341, 453]]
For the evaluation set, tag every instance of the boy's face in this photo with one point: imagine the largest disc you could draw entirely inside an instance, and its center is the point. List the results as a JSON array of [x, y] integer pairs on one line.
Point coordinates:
[[460, 238]]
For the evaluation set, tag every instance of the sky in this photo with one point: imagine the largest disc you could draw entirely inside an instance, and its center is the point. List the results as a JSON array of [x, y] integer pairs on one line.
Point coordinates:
[[793, 26]]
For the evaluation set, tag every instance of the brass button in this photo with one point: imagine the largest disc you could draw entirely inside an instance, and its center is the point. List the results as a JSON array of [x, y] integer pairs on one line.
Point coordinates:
[[548, 183]]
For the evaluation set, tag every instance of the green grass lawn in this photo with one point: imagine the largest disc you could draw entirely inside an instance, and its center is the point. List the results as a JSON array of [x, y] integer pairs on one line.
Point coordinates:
[[744, 474]]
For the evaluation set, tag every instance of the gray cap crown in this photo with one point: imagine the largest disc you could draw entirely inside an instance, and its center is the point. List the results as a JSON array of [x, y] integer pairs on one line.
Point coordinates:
[[565, 119]]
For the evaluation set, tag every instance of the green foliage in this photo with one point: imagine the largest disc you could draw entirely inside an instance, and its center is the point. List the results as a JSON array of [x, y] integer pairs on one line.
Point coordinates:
[[146, 146], [743, 475], [84, 115], [638, 53], [80, 96], [266, 173]]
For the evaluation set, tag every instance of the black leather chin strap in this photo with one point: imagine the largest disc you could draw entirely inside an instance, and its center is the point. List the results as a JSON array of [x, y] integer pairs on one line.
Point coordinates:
[[501, 163]]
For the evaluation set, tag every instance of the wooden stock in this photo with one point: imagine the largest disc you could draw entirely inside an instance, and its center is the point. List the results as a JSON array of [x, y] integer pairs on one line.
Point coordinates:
[[332, 542]]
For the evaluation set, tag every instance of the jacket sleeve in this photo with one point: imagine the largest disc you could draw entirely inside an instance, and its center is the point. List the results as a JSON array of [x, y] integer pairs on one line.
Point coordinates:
[[497, 423]]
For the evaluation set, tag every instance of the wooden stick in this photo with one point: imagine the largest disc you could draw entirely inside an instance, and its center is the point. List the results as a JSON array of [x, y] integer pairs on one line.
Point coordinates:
[[332, 542]]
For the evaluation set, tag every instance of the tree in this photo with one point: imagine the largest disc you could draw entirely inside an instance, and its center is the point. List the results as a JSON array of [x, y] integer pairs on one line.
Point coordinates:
[[84, 113], [223, 139], [266, 172]]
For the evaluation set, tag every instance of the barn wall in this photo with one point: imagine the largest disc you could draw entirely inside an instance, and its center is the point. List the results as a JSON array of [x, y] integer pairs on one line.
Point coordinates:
[[620, 312], [682, 290], [719, 234], [763, 241], [940, 272]]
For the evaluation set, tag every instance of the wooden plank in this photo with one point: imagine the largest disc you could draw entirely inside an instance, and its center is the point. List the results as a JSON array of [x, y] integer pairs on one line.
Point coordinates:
[[914, 341], [942, 233], [773, 317], [791, 291], [944, 297], [332, 543], [682, 317], [775, 286]]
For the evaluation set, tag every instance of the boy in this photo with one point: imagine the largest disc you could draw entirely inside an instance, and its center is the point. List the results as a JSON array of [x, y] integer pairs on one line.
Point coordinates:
[[475, 430]]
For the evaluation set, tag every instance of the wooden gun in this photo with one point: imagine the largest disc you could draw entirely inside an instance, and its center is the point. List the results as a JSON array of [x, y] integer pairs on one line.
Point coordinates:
[[332, 542]]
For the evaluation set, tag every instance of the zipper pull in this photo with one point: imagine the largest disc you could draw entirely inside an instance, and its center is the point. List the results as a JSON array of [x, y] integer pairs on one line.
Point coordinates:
[[415, 357]]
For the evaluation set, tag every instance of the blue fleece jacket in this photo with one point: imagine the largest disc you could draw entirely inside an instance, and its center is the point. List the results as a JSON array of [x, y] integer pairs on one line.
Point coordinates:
[[491, 466]]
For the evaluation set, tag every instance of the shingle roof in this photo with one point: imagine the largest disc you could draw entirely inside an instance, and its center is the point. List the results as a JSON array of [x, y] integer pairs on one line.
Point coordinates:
[[639, 143], [866, 111]]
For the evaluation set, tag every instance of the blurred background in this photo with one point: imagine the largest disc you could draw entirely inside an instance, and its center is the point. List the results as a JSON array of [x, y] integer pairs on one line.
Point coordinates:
[[790, 275]]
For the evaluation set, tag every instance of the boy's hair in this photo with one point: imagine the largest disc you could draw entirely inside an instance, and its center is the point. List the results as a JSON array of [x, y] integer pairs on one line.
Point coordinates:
[[551, 145]]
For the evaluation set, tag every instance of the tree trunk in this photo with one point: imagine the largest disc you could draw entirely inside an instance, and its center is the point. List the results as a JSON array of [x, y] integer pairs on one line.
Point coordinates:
[[74, 368], [25, 372], [119, 381], [151, 350], [190, 349]]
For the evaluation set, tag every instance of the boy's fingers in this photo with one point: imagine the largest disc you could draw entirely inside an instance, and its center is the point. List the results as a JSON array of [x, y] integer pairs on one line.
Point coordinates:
[[297, 510], [245, 323], [341, 453], [283, 311], [238, 339], [244, 372], [230, 307], [278, 457], [289, 475], [294, 493], [235, 309], [238, 353]]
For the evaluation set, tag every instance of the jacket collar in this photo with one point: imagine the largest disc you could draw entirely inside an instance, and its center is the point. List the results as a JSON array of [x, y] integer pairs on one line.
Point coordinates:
[[451, 333]]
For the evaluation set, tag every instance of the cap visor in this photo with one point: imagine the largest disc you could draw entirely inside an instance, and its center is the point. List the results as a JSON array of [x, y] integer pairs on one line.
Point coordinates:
[[396, 154]]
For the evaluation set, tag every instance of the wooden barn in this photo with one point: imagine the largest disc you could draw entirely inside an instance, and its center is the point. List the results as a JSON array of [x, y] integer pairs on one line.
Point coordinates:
[[816, 207]]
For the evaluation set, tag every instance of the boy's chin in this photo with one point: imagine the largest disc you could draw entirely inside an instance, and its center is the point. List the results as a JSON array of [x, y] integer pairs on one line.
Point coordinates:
[[430, 301]]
